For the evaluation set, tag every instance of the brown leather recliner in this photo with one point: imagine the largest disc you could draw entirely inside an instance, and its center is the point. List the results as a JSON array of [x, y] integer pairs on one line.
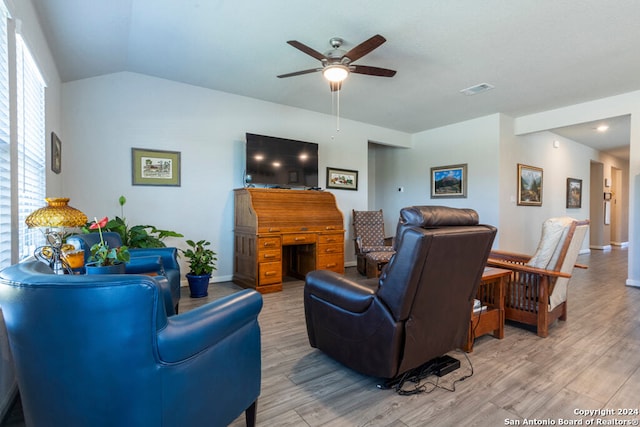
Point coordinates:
[[419, 308]]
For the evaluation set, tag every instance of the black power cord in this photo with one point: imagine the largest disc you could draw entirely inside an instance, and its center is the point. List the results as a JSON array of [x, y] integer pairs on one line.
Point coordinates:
[[418, 375]]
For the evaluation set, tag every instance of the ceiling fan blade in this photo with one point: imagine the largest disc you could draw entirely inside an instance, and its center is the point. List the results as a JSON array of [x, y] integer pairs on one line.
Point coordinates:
[[373, 71], [306, 49], [365, 47], [335, 86], [299, 73]]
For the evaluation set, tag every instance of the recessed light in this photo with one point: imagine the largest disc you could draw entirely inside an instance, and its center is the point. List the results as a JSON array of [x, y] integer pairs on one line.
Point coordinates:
[[479, 88], [602, 128]]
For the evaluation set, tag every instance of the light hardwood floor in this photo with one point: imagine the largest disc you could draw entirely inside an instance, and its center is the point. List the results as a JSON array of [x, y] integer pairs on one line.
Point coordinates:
[[589, 362]]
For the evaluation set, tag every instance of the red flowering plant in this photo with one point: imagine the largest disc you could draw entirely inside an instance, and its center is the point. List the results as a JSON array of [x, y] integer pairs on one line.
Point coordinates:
[[101, 253]]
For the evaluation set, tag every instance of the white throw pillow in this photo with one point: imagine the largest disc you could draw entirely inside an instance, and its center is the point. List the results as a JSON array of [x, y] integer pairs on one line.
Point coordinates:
[[553, 232]]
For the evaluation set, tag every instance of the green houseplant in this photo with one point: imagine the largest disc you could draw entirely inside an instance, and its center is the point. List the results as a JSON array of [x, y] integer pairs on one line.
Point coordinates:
[[104, 259], [202, 262], [137, 236]]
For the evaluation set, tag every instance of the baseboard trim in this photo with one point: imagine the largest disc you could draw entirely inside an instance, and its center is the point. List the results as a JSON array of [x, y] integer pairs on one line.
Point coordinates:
[[584, 251], [601, 248], [621, 244], [633, 283]]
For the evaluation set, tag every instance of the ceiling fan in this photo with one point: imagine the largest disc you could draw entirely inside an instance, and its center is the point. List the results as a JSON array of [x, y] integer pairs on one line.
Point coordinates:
[[337, 63]]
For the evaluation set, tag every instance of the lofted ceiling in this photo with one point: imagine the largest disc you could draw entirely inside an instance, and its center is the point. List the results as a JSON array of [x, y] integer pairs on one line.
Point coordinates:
[[538, 54]]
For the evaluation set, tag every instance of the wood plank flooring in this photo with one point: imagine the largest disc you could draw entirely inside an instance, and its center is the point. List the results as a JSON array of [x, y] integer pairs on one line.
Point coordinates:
[[589, 362]]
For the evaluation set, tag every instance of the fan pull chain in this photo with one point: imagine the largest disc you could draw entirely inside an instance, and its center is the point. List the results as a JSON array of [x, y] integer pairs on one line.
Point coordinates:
[[338, 111], [335, 107]]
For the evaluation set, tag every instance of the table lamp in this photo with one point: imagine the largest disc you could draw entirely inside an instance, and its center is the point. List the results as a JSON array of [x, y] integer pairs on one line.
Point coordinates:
[[57, 214]]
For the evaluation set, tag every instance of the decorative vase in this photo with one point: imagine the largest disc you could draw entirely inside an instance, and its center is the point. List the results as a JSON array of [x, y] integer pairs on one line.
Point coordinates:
[[92, 268], [198, 285]]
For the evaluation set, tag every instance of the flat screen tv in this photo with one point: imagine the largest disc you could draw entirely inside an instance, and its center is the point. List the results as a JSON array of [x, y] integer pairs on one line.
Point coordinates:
[[280, 162]]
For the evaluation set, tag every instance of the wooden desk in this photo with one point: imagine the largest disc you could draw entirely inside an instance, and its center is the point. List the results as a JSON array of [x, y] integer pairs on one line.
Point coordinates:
[[491, 293], [285, 233]]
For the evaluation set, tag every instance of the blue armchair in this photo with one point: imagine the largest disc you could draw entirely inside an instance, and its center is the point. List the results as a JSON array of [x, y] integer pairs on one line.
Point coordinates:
[[143, 260], [100, 350]]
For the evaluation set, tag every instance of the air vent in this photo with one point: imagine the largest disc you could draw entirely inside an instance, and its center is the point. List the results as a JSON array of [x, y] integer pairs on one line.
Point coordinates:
[[474, 90]]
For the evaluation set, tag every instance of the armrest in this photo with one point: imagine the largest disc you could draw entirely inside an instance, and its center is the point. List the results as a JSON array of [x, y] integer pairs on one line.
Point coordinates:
[[199, 329], [165, 294], [525, 268], [509, 256], [145, 265], [334, 288], [169, 255]]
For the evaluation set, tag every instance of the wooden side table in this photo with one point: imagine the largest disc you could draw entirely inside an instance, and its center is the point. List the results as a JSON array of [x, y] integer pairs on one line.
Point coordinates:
[[491, 293]]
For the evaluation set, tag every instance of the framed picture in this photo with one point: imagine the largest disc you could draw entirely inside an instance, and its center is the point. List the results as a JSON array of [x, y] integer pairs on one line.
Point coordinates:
[[574, 193], [529, 185], [449, 181], [342, 179], [56, 153], [155, 167]]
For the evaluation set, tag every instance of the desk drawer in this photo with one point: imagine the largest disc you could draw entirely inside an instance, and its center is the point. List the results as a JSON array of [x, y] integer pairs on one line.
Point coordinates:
[[269, 272], [333, 262], [298, 239], [270, 255], [330, 239], [330, 249], [268, 243]]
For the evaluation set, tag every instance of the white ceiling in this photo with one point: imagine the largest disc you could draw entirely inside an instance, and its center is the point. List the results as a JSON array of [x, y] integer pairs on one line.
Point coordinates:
[[615, 140], [539, 54]]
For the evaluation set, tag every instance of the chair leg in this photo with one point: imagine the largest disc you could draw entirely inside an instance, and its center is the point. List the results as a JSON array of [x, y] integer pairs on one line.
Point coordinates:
[[250, 414], [177, 307], [543, 309], [563, 316]]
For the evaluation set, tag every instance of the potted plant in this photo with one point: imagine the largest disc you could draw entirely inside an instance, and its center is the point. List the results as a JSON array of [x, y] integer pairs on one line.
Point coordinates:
[[202, 261], [103, 259], [137, 236]]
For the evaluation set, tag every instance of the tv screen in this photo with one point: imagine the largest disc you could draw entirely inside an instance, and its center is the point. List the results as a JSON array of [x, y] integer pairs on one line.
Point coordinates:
[[281, 162]]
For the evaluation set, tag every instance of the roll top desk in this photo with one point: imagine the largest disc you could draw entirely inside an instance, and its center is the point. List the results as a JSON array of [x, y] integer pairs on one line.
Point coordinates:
[[279, 233]]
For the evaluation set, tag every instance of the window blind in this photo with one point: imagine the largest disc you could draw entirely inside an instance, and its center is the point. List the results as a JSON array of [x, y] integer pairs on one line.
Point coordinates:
[[31, 146], [5, 154]]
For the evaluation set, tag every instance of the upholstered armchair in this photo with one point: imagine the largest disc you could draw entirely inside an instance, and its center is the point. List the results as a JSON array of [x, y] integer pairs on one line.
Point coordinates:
[[8, 384], [373, 249], [100, 350], [418, 309], [537, 290], [163, 261]]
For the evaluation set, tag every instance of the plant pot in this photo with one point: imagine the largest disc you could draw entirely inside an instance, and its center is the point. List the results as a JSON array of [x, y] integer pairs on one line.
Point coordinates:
[[92, 268], [198, 285]]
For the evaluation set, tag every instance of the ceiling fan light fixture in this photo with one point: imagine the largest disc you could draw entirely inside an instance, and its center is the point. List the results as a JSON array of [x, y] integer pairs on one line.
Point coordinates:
[[336, 73]]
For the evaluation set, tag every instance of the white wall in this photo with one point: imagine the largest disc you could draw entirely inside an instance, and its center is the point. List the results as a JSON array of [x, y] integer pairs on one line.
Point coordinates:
[[105, 117], [492, 152], [628, 103], [570, 160], [474, 142]]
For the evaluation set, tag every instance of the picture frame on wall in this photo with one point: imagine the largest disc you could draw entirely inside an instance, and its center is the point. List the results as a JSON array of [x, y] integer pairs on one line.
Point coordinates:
[[342, 179], [574, 193], [56, 153], [155, 167], [449, 181], [529, 185]]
